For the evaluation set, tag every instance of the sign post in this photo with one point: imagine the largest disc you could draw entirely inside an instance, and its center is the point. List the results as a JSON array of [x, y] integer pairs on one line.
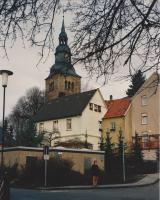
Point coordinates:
[[46, 157]]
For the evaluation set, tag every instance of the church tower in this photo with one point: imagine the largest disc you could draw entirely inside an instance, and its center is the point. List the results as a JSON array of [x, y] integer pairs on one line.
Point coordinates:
[[63, 79]]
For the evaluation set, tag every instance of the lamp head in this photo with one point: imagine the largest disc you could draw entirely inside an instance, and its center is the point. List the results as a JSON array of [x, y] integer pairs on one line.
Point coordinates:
[[5, 74]]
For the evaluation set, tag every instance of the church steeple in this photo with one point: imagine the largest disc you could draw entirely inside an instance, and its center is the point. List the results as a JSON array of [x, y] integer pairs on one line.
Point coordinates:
[[63, 79], [63, 39]]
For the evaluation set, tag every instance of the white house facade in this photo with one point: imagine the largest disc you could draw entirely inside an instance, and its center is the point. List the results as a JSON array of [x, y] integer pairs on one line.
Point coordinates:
[[78, 118]]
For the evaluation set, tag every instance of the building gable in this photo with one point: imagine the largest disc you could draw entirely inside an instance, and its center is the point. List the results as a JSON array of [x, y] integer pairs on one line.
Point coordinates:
[[117, 107]]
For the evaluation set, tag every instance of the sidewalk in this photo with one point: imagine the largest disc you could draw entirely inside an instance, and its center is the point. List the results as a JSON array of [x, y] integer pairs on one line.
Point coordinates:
[[149, 179]]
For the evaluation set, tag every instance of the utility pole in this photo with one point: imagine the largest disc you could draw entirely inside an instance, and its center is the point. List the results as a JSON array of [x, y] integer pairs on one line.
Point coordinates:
[[4, 74], [46, 158], [123, 155]]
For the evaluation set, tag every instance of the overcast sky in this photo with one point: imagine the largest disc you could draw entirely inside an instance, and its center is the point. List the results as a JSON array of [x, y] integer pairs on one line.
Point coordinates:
[[22, 61]]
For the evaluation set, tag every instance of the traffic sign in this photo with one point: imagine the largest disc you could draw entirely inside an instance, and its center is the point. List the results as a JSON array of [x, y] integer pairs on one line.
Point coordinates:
[[46, 150], [46, 157]]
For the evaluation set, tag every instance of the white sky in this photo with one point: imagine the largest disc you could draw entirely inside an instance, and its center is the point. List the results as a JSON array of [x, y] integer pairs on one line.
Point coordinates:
[[22, 61]]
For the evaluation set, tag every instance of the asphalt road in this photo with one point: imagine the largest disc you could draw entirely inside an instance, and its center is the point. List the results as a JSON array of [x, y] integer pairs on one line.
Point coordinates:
[[140, 193]]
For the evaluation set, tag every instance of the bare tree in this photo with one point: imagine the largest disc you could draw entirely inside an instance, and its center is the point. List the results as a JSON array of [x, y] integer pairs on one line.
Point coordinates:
[[51, 137], [27, 19], [112, 33], [26, 107], [108, 33]]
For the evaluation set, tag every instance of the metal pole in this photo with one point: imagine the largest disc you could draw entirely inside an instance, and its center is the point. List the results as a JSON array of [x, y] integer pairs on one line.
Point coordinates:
[[2, 148], [45, 173], [123, 161]]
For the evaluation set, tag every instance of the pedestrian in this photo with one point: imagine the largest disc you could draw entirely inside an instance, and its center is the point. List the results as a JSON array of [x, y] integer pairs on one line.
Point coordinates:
[[95, 173]]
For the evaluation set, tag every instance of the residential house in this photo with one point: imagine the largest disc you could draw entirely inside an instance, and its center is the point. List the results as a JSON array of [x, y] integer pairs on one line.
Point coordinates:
[[146, 113], [118, 118], [76, 116]]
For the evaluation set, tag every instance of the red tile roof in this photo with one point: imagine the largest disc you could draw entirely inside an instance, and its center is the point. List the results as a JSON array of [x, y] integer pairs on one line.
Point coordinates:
[[117, 107]]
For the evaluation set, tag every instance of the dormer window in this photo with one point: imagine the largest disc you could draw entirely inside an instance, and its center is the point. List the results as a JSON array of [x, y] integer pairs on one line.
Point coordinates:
[[99, 108], [91, 106], [95, 107]]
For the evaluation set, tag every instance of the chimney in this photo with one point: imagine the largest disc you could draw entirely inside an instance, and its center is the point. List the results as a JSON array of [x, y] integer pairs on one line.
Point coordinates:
[[110, 97]]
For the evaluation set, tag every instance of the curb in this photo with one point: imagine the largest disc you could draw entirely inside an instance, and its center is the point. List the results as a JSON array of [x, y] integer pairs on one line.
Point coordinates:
[[90, 187], [98, 187]]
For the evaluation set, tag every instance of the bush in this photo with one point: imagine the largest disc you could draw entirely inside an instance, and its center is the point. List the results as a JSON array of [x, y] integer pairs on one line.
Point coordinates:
[[11, 172], [59, 173], [150, 167]]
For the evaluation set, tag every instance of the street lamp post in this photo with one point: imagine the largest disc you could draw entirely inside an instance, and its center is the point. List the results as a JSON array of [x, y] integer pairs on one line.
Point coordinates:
[[4, 74], [123, 155]]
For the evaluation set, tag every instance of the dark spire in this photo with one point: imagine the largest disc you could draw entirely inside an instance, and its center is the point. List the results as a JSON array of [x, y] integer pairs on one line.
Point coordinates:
[[63, 26], [63, 35], [63, 55]]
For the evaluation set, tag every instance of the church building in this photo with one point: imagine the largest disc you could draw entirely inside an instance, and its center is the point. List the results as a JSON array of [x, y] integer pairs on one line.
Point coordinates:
[[69, 118], [63, 79]]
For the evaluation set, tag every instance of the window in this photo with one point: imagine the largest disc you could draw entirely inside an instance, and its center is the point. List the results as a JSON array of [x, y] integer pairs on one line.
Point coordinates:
[[66, 83], [113, 126], [55, 125], [144, 100], [144, 119], [72, 86], [145, 139], [69, 124], [99, 108], [51, 86], [95, 107], [41, 127], [91, 106], [100, 125], [69, 85]]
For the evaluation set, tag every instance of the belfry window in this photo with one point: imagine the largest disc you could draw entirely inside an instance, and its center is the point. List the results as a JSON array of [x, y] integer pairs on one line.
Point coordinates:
[[69, 85], [51, 86], [66, 84], [72, 86]]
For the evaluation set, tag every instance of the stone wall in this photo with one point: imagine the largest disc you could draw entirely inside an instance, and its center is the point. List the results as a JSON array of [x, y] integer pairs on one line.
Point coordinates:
[[82, 159]]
